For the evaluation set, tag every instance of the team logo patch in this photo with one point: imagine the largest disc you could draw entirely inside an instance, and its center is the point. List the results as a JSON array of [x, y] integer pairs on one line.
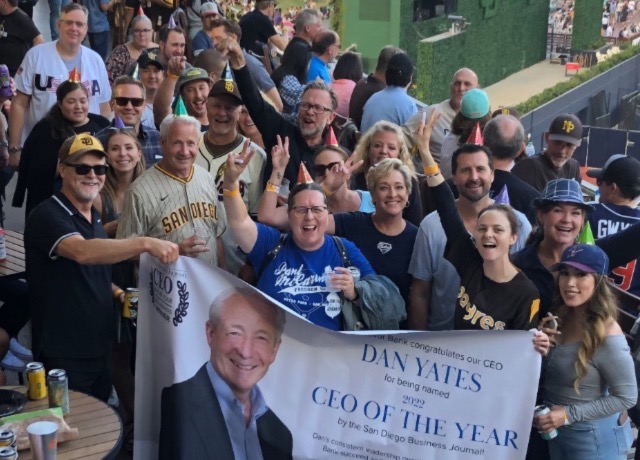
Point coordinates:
[[574, 251], [568, 126]]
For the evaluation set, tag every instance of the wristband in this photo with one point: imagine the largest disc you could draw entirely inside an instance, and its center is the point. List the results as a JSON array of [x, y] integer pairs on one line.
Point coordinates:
[[431, 170], [272, 187], [117, 293], [231, 193], [172, 76], [566, 418], [327, 192]]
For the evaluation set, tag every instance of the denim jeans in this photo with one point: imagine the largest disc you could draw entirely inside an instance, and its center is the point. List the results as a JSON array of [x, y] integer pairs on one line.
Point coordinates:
[[600, 439], [54, 15], [99, 42]]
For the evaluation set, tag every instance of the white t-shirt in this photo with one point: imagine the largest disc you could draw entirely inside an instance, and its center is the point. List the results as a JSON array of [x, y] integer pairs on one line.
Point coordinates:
[[42, 71], [440, 130]]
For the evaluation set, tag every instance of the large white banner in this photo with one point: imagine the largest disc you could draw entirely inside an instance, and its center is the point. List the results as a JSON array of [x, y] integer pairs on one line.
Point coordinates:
[[445, 395]]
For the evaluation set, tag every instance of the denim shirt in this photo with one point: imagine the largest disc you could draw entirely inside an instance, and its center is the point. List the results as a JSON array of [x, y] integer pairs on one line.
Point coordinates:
[[244, 438]]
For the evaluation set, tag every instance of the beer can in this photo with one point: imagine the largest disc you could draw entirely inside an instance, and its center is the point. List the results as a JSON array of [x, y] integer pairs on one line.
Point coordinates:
[[130, 306], [543, 410], [36, 381], [58, 390], [8, 453], [7, 439]]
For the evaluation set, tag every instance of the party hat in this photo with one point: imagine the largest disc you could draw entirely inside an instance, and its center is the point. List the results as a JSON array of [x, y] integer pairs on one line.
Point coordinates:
[[180, 110], [74, 76], [140, 11], [476, 135], [586, 236], [503, 196], [303, 175], [117, 123], [172, 23], [136, 72], [331, 138], [227, 77]]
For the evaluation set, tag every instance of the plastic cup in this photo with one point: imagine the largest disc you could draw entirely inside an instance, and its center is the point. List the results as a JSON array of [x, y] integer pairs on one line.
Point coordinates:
[[202, 233], [328, 281], [43, 438]]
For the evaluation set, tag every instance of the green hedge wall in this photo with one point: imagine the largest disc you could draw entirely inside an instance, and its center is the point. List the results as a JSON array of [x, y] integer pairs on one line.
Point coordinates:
[[503, 38], [337, 16], [587, 23]]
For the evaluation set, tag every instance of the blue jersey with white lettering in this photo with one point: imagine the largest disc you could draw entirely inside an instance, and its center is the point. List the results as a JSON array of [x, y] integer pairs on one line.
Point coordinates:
[[295, 277], [608, 219]]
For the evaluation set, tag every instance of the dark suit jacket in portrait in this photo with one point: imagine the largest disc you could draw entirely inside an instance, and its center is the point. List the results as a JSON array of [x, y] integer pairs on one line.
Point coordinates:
[[192, 425]]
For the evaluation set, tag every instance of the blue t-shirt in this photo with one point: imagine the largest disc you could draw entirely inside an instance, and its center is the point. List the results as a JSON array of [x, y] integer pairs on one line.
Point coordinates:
[[295, 277], [388, 255], [391, 104], [366, 202], [98, 21], [318, 68], [201, 42]]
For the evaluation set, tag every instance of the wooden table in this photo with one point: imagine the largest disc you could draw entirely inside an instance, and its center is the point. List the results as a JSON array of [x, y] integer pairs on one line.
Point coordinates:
[[99, 428], [15, 263]]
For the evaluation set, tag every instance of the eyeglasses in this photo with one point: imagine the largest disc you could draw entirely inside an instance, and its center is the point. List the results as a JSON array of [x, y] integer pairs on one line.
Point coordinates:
[[302, 211], [315, 107], [69, 23], [83, 170], [322, 169], [123, 101], [142, 31]]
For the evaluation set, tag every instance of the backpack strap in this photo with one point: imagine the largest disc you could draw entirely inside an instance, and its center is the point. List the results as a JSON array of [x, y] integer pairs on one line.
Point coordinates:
[[272, 254], [346, 262]]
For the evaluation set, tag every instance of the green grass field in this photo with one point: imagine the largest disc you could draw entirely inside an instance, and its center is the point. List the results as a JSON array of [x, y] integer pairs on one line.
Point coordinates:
[[286, 4]]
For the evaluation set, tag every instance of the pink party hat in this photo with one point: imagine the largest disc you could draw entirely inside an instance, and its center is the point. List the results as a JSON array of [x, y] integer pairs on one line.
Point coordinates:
[[476, 135], [331, 138], [303, 175]]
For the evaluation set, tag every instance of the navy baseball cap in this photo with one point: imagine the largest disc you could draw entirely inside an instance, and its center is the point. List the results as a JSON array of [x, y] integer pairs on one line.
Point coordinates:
[[588, 258], [566, 128], [562, 191], [619, 169]]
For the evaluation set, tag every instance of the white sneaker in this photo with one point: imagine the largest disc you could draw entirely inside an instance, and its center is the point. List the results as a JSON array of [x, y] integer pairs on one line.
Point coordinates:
[[13, 363], [20, 351]]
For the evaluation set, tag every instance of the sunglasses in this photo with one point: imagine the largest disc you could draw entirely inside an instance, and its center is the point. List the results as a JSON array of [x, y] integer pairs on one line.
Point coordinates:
[[83, 170], [135, 101], [322, 169]]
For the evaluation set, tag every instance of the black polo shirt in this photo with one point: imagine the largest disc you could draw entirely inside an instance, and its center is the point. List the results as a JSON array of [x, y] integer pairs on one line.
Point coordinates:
[[71, 308]]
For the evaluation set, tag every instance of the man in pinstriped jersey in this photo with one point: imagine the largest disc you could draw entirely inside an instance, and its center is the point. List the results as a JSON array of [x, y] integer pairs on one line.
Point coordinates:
[[176, 200]]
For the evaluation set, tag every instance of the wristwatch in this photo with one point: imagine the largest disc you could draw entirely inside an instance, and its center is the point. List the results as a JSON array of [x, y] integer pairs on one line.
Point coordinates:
[[15, 149], [4, 144]]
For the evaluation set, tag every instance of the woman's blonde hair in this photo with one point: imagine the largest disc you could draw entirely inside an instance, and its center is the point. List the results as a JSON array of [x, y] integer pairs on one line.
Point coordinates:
[[111, 180], [364, 145], [601, 309], [383, 169]]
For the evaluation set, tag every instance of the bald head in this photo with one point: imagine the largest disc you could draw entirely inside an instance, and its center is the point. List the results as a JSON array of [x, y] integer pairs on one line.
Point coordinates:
[[504, 135], [463, 80]]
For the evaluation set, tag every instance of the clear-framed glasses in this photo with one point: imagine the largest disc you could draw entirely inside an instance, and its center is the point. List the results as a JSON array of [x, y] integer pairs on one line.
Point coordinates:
[[302, 211], [142, 31]]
